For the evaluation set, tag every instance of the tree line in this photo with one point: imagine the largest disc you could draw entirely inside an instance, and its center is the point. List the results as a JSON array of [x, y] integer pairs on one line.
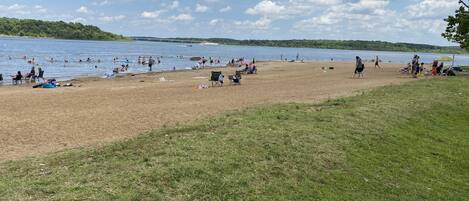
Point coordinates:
[[58, 30], [323, 44]]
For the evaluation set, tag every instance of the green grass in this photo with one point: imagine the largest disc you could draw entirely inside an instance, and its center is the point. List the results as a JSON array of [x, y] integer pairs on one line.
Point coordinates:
[[407, 142]]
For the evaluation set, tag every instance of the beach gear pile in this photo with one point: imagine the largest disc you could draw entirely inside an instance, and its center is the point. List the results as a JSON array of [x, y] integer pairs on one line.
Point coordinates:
[[51, 84]]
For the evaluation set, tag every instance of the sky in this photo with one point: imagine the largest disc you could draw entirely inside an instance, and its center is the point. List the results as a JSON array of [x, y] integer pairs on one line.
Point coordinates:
[[415, 21]]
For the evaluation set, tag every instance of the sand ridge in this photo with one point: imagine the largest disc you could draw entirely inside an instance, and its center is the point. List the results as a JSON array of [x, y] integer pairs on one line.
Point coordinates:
[[97, 111]]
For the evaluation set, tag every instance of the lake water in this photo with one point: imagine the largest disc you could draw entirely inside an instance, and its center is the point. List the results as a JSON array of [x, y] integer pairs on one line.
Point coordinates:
[[13, 51]]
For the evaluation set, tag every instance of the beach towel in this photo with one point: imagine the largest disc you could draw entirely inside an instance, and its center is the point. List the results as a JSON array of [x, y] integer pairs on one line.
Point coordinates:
[[49, 86]]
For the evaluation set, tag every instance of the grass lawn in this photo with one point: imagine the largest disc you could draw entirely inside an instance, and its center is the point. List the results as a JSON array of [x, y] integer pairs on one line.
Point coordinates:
[[408, 142]]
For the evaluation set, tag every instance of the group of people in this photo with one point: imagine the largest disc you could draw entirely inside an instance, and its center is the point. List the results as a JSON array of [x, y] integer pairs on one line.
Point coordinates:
[[417, 68], [32, 76], [143, 60], [437, 68], [203, 62], [250, 68]]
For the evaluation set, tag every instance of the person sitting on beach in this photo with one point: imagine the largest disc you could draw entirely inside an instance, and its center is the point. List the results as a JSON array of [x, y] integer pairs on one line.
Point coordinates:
[[17, 78], [115, 71], [252, 70], [439, 69], [31, 75], [221, 79], [246, 69], [406, 69]]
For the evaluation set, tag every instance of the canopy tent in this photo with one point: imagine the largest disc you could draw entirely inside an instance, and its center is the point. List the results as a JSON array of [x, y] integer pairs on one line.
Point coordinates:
[[445, 58]]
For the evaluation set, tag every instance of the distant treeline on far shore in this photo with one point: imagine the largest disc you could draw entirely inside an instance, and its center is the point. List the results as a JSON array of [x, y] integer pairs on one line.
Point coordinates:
[[324, 44], [57, 30]]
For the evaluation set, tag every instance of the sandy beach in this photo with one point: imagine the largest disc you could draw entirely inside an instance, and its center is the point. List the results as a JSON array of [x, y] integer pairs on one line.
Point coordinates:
[[98, 111]]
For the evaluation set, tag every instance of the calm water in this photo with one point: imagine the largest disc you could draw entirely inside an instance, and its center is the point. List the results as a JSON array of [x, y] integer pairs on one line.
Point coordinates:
[[172, 54]]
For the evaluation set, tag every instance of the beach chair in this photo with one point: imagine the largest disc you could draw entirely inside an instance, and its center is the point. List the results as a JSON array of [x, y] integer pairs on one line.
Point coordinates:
[[215, 78], [40, 76], [30, 78], [17, 80]]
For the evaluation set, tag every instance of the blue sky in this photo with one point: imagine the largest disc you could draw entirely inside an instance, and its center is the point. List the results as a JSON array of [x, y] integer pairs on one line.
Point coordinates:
[[419, 21]]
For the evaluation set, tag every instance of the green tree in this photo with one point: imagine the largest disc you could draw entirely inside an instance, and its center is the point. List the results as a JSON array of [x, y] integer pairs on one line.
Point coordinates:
[[458, 27], [62, 30]]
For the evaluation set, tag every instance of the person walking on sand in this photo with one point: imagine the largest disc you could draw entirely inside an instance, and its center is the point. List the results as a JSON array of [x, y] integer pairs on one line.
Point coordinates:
[[359, 68], [377, 62]]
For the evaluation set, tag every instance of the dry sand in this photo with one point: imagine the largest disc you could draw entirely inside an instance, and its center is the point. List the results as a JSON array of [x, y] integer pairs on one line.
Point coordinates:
[[38, 121]]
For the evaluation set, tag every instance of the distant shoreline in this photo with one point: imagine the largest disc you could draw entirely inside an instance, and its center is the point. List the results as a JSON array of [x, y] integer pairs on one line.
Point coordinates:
[[322, 44], [443, 50]]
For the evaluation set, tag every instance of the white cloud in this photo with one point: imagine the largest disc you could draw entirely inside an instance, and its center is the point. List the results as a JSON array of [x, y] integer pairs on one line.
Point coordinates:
[[174, 5], [377, 20], [83, 9], [182, 17], [201, 8], [261, 24], [215, 22], [79, 19], [432, 8], [22, 10], [225, 9], [112, 18], [266, 7], [40, 9], [150, 14], [100, 3], [16, 7]]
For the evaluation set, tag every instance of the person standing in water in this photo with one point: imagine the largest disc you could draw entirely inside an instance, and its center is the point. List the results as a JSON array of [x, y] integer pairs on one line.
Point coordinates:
[[151, 62], [377, 62]]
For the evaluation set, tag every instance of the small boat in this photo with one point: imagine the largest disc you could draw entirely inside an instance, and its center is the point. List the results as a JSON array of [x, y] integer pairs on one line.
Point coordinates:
[[196, 58], [209, 44]]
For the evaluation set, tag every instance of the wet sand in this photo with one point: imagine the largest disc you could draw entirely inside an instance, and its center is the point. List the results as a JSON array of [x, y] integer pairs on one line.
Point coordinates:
[[98, 111]]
